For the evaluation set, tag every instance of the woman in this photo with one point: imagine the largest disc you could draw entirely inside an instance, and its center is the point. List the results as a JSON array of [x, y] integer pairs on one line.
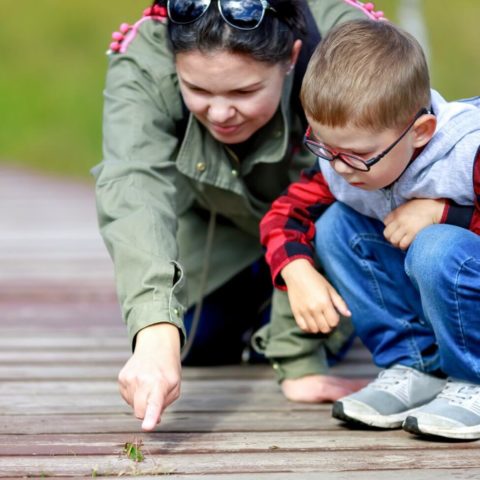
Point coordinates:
[[202, 128]]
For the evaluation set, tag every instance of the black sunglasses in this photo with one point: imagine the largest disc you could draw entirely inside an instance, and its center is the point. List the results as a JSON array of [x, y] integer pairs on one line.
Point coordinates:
[[320, 150], [241, 14]]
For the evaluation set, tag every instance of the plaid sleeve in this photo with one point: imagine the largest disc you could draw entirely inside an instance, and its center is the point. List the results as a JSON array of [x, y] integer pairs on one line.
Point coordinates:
[[288, 228], [475, 221], [466, 216]]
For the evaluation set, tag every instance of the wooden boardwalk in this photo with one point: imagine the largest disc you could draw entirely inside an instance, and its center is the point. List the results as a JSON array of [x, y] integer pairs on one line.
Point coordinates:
[[63, 343]]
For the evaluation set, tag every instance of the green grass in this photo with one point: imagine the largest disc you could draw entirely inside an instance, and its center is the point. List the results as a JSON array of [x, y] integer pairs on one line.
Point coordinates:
[[455, 39], [453, 36], [53, 66]]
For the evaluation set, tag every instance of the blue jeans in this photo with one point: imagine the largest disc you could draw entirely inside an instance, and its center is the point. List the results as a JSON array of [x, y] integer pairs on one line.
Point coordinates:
[[229, 316], [419, 308]]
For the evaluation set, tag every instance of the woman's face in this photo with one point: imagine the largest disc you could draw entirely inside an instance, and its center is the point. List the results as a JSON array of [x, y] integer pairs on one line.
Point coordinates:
[[232, 95]]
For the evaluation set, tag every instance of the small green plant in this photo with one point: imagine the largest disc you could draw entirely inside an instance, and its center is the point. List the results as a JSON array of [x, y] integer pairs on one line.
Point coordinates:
[[133, 450]]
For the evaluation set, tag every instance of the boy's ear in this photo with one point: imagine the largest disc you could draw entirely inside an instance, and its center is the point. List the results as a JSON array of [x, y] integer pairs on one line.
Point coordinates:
[[423, 129]]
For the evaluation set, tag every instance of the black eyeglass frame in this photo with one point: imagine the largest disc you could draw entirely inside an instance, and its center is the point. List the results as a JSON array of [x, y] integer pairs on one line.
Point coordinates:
[[263, 3], [316, 148]]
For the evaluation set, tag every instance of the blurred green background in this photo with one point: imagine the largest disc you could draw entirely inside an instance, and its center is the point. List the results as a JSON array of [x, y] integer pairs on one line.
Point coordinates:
[[53, 65]]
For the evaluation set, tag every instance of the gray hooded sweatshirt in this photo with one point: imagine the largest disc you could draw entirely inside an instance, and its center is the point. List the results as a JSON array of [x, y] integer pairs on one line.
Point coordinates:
[[448, 167]]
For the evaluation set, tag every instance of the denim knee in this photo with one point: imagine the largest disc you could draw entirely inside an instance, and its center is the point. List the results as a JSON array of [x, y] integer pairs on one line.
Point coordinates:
[[436, 252]]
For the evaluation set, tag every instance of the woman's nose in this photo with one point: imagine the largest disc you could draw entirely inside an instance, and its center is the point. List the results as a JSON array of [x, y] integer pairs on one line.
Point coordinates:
[[220, 111]]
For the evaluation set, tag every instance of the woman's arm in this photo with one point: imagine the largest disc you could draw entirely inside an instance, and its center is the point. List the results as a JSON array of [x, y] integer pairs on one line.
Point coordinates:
[[135, 183], [135, 192]]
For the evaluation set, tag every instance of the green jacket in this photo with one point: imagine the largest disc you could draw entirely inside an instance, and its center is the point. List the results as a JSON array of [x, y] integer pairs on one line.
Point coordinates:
[[159, 181]]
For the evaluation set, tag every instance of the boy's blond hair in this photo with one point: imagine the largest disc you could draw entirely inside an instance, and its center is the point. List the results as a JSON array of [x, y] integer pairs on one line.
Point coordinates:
[[365, 73]]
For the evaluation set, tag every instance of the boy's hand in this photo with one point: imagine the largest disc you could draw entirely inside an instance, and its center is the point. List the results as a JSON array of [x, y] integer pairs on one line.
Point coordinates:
[[315, 303], [150, 381], [403, 223]]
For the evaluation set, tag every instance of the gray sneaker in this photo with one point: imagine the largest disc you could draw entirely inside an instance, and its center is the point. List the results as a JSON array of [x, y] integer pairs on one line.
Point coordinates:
[[455, 413], [389, 399]]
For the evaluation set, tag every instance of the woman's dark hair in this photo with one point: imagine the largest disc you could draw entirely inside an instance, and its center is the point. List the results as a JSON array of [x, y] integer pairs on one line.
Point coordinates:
[[270, 42]]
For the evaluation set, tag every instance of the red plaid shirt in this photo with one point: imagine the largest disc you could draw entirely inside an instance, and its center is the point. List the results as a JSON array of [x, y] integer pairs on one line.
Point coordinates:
[[288, 228]]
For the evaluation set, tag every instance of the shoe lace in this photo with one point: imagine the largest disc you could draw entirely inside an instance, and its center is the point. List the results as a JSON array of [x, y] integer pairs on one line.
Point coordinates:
[[390, 378], [459, 392]]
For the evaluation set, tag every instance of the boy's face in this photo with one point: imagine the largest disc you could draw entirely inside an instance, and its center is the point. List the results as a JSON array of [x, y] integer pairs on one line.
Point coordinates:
[[366, 145]]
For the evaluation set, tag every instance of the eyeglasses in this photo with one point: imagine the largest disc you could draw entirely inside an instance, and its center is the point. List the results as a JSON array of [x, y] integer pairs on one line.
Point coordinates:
[[240, 14], [319, 149]]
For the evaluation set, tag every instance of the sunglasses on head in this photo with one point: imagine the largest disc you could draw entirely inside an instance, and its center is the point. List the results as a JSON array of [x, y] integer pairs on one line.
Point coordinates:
[[240, 14]]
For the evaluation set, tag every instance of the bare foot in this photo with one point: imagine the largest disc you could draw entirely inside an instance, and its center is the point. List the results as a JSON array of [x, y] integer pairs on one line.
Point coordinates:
[[320, 388]]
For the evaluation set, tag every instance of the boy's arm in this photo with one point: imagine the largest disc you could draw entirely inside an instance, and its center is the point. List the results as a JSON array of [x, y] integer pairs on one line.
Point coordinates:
[[287, 231], [403, 223], [288, 228]]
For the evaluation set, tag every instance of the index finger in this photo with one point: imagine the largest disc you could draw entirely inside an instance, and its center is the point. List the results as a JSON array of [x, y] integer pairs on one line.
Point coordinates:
[[340, 305], [153, 410]]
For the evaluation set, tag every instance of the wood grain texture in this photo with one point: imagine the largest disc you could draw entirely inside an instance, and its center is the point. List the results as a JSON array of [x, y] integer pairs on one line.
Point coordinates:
[[63, 342]]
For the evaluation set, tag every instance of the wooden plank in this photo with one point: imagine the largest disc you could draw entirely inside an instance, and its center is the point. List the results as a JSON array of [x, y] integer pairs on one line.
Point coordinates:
[[50, 246], [189, 387], [34, 313], [257, 401], [436, 474], [54, 290], [63, 343], [52, 372], [217, 442], [55, 393], [98, 372], [120, 355], [239, 421], [24, 388], [113, 357], [274, 461]]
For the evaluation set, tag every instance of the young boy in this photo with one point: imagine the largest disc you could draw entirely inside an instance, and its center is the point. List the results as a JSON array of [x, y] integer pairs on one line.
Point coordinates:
[[392, 209]]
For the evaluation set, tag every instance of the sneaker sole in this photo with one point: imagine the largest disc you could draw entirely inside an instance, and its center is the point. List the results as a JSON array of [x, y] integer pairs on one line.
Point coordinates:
[[380, 421], [410, 425]]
